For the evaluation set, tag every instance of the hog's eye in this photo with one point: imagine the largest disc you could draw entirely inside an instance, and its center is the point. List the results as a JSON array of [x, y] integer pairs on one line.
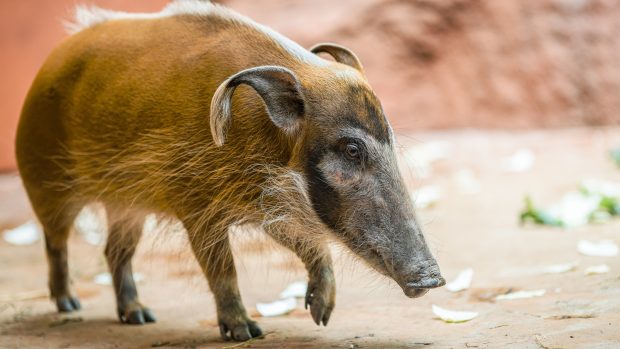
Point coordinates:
[[353, 151]]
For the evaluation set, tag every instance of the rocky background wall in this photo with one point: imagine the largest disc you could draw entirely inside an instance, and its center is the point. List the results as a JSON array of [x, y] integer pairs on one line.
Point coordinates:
[[434, 63], [472, 63]]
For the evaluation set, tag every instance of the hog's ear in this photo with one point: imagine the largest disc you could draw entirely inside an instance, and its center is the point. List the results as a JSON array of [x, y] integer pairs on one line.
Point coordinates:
[[277, 86], [340, 53]]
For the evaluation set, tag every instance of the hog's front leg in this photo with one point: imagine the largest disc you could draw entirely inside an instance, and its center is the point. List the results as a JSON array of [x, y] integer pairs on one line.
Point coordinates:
[[216, 261], [321, 294]]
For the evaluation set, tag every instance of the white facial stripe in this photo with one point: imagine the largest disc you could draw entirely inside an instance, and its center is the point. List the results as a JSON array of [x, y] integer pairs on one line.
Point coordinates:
[[88, 16]]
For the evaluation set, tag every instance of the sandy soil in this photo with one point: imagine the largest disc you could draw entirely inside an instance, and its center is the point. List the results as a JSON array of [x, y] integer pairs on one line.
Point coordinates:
[[466, 230]]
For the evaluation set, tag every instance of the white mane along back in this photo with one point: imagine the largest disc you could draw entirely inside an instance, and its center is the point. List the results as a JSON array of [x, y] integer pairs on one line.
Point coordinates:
[[88, 16]]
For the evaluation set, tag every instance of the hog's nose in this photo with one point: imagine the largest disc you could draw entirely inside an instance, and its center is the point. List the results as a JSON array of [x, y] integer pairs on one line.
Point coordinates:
[[420, 287], [428, 282]]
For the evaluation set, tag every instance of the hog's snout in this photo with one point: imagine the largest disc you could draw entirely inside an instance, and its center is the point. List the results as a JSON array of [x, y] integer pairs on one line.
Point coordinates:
[[418, 278], [429, 282], [419, 288]]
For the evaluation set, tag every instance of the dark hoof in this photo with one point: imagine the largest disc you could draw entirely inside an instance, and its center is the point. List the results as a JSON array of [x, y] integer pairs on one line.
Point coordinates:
[[67, 304], [240, 332], [137, 315], [320, 298]]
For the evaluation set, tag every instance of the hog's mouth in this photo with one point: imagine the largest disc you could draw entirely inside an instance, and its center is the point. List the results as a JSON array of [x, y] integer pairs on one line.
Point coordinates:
[[413, 287], [419, 289]]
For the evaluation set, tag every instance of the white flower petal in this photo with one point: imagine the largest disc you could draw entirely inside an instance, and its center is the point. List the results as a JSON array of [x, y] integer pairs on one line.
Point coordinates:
[[279, 307], [452, 316], [106, 278], [25, 234], [92, 225], [602, 248], [427, 196], [521, 161], [467, 182], [103, 279], [601, 187], [597, 269], [576, 208], [421, 157], [559, 268], [520, 295], [462, 281], [296, 289]]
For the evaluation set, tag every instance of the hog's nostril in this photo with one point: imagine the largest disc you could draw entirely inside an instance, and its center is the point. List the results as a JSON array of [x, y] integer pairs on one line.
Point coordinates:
[[429, 282]]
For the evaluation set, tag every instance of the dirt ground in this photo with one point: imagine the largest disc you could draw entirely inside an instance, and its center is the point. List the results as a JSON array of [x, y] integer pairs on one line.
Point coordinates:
[[477, 230]]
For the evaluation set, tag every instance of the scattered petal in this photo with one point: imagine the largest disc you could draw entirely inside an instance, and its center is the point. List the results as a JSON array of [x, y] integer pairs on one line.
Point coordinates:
[[279, 307], [602, 248], [296, 289], [462, 281], [138, 277], [103, 279], [427, 196], [597, 269], [91, 224], [521, 161], [106, 278], [520, 295], [575, 209], [489, 294], [559, 268], [601, 187], [421, 157], [25, 234], [467, 182], [452, 316]]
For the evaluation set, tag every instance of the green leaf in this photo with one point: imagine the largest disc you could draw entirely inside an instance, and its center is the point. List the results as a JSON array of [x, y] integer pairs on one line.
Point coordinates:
[[531, 213]]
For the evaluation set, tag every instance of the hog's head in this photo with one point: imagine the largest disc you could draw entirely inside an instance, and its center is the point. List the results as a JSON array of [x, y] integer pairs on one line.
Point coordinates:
[[346, 149]]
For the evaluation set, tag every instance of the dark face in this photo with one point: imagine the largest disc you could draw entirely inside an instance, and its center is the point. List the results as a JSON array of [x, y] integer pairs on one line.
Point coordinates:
[[357, 190]]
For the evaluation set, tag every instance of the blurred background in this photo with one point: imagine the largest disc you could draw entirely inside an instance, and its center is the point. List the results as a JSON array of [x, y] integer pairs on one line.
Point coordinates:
[[507, 118]]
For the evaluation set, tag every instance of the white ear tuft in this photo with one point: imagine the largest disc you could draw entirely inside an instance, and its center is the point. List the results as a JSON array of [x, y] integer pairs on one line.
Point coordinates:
[[277, 86], [221, 112]]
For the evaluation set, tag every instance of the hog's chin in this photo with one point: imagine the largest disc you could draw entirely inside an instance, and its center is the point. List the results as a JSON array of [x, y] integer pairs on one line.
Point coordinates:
[[420, 287], [412, 292]]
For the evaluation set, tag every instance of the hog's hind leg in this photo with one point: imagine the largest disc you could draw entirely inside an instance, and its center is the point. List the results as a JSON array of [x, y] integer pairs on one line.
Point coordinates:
[[56, 212], [125, 230], [56, 228]]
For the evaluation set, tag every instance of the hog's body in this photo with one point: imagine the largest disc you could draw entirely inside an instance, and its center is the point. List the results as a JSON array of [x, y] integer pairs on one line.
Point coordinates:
[[119, 114]]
